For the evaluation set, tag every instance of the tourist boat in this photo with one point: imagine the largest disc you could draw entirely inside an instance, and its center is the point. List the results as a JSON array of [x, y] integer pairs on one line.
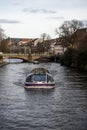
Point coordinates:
[[39, 78]]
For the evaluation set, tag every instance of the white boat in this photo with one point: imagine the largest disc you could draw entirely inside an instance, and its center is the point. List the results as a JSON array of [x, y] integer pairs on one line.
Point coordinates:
[[39, 78], [35, 62]]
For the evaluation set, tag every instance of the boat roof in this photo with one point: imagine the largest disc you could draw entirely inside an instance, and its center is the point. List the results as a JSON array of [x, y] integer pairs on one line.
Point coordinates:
[[39, 71]]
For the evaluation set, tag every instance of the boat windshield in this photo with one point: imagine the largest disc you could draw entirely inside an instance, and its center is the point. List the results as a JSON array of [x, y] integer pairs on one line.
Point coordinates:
[[39, 77]]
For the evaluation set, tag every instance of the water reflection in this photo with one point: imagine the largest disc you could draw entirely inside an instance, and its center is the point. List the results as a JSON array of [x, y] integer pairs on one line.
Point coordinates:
[[13, 60]]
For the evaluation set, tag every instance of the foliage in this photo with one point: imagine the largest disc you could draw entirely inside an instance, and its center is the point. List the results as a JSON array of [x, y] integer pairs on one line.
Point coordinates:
[[82, 60], [73, 58], [69, 57]]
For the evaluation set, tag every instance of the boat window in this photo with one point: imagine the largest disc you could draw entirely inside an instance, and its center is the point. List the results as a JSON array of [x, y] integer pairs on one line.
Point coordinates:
[[40, 78], [29, 78]]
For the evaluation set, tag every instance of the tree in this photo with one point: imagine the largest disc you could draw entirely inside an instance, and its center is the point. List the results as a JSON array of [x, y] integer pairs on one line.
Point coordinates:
[[5, 45], [45, 36], [66, 31], [2, 36]]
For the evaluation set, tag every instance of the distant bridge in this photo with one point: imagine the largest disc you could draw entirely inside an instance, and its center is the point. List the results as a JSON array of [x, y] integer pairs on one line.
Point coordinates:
[[26, 57]]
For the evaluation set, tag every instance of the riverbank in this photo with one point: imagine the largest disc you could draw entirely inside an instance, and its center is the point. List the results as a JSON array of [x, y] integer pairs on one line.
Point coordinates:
[[75, 59], [3, 63]]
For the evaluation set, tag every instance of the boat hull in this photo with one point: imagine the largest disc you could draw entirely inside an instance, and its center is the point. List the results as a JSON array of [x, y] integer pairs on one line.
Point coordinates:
[[39, 86]]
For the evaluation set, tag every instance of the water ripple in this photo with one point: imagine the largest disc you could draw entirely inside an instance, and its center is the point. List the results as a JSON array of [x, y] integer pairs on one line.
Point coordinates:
[[63, 108]]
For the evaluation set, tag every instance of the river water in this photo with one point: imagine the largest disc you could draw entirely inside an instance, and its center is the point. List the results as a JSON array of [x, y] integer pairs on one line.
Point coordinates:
[[63, 108]]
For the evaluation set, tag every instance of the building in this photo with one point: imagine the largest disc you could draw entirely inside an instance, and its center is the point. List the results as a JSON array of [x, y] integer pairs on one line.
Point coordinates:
[[58, 49], [80, 39]]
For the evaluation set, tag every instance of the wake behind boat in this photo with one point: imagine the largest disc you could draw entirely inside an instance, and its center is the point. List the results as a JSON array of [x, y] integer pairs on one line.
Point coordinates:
[[39, 78]]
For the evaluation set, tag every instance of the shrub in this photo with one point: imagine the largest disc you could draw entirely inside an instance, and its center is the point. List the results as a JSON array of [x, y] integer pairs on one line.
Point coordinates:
[[69, 57], [82, 60]]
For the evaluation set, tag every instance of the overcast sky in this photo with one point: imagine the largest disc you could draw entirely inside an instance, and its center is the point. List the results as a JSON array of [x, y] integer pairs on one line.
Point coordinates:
[[31, 18]]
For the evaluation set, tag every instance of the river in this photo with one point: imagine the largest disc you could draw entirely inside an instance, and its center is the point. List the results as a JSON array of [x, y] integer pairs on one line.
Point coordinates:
[[62, 108]]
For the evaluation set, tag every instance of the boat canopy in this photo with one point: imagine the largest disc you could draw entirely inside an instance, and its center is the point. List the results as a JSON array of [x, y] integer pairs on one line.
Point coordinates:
[[39, 71], [39, 75]]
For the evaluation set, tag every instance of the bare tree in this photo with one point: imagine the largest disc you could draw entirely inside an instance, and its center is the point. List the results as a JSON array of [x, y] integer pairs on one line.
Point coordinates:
[[2, 36], [45, 36], [48, 37], [67, 29], [5, 45], [75, 24]]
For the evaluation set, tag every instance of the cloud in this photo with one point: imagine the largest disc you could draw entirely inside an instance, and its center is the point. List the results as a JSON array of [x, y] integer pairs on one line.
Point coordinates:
[[56, 18], [84, 22], [16, 4], [2, 21], [45, 11]]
